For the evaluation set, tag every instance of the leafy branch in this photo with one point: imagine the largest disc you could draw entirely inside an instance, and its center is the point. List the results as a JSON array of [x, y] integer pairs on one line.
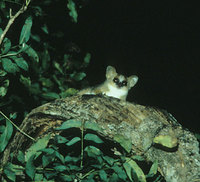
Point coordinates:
[[12, 19]]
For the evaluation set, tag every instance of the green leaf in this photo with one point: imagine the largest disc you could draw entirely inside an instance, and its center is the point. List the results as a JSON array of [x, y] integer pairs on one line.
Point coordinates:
[[73, 141], [9, 66], [60, 139], [26, 81], [71, 159], [6, 45], [77, 76], [50, 95], [4, 88], [114, 178], [93, 138], [68, 92], [103, 175], [31, 53], [70, 124], [48, 150], [74, 167], [92, 151], [153, 170], [65, 177], [5, 136], [130, 165], [3, 73], [47, 159], [1, 31], [30, 168], [50, 174], [124, 142], [21, 157], [39, 177], [60, 157], [21, 63], [26, 31], [39, 145], [120, 172], [73, 13], [9, 172], [138, 158], [109, 160], [60, 168], [92, 126], [46, 82]]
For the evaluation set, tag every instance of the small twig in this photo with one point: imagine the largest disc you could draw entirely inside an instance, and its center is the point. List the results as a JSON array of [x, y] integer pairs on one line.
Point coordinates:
[[16, 126], [12, 19], [8, 55]]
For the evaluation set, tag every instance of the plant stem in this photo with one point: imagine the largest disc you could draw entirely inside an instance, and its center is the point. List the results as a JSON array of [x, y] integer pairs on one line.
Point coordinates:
[[16, 126]]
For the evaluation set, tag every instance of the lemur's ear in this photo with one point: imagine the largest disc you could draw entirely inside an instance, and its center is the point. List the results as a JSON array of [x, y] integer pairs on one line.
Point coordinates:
[[110, 72], [132, 80]]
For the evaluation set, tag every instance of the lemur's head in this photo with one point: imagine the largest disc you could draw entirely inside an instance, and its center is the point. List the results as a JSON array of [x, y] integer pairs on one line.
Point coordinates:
[[120, 81]]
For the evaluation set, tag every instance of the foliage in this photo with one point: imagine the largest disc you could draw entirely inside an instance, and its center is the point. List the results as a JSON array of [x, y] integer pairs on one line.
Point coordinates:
[[77, 156], [35, 65]]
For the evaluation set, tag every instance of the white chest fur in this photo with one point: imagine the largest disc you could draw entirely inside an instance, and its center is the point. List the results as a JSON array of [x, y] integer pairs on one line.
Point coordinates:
[[116, 92]]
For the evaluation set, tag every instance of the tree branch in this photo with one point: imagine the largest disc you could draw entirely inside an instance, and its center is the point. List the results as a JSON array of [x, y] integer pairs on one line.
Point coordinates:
[[12, 19]]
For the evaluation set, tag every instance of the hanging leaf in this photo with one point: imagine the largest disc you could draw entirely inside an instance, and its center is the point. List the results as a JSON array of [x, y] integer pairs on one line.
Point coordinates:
[[26, 31], [9, 66], [5, 136]]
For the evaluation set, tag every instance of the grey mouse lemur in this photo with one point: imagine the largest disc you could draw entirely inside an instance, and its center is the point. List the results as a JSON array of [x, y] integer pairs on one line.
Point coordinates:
[[115, 85]]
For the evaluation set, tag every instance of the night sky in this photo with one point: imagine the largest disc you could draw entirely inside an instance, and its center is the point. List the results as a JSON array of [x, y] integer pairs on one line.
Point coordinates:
[[157, 40]]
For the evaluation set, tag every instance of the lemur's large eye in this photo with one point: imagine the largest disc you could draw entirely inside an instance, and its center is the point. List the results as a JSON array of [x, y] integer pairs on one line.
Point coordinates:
[[124, 83], [116, 80]]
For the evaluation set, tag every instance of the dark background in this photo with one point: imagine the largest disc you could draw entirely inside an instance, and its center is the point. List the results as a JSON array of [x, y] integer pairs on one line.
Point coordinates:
[[157, 40]]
